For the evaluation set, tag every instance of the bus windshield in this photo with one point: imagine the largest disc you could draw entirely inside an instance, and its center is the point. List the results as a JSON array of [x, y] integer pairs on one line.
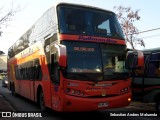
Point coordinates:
[[88, 21], [113, 57], [92, 61]]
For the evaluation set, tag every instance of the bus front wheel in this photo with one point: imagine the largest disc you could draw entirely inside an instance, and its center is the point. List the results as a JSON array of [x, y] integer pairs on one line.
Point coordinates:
[[42, 101], [13, 90], [158, 104]]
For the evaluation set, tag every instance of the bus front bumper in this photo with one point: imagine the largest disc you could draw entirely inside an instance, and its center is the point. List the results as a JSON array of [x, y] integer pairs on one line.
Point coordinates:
[[72, 103]]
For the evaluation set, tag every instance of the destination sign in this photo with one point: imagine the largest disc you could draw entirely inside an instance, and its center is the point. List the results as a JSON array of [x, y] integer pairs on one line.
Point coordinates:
[[87, 49]]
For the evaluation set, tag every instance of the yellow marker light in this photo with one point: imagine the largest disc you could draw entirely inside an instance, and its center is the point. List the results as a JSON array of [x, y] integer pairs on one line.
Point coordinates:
[[129, 99]]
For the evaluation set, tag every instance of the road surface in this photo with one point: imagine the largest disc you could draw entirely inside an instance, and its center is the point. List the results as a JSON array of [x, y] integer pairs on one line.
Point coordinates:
[[24, 105]]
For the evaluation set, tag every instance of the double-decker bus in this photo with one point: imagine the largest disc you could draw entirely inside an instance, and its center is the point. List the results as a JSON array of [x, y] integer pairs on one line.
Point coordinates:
[[146, 80], [71, 59]]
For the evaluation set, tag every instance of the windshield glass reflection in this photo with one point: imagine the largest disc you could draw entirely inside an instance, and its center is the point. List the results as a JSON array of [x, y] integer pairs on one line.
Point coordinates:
[[96, 62]]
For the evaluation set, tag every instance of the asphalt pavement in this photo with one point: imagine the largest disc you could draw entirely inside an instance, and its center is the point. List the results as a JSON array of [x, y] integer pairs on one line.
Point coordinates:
[[4, 108], [4, 105]]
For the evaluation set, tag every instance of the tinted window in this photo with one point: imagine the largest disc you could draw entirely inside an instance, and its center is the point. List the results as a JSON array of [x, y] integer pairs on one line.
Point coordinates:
[[29, 71], [87, 21], [95, 61]]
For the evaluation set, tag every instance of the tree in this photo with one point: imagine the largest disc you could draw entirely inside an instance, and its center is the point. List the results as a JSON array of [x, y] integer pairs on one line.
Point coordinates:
[[6, 16], [127, 17]]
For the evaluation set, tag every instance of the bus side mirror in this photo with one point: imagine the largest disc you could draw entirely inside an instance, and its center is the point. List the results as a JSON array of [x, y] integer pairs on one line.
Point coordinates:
[[62, 56], [140, 59], [134, 59]]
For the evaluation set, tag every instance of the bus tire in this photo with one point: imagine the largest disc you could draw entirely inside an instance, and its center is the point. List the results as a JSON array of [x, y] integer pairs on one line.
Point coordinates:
[[158, 104], [42, 101], [13, 90]]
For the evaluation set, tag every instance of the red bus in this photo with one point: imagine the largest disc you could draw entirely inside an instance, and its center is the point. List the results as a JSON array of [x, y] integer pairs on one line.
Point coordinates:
[[71, 59], [146, 80]]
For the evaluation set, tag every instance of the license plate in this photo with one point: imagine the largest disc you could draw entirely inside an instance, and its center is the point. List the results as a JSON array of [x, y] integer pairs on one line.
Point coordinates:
[[105, 104]]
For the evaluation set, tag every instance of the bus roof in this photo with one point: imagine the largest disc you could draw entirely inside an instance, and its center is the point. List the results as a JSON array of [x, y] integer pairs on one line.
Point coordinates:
[[55, 4], [152, 50], [81, 5], [147, 51]]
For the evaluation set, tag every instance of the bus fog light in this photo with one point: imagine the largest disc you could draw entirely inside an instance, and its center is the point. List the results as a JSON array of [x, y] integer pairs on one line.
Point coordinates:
[[129, 99]]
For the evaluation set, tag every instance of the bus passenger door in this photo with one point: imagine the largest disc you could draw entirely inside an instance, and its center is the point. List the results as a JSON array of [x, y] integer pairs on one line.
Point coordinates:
[[135, 64], [55, 81]]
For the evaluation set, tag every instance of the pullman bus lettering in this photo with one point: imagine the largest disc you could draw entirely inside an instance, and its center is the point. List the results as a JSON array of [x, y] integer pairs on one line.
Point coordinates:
[[89, 38]]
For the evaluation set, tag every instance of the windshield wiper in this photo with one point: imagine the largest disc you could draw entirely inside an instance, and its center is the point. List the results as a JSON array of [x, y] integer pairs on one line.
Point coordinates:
[[117, 76], [82, 77]]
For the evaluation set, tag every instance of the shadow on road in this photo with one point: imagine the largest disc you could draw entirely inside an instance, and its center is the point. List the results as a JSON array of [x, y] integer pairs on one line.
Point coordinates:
[[94, 115]]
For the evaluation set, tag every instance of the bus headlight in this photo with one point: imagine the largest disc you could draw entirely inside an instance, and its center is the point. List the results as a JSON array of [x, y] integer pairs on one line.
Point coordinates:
[[67, 90], [124, 90], [74, 92], [6, 82]]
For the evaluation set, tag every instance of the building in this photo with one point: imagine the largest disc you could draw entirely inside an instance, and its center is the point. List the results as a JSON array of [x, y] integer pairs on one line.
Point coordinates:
[[3, 63]]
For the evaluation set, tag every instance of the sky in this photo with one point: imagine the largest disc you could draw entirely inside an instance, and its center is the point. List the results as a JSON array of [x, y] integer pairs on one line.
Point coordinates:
[[32, 10]]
